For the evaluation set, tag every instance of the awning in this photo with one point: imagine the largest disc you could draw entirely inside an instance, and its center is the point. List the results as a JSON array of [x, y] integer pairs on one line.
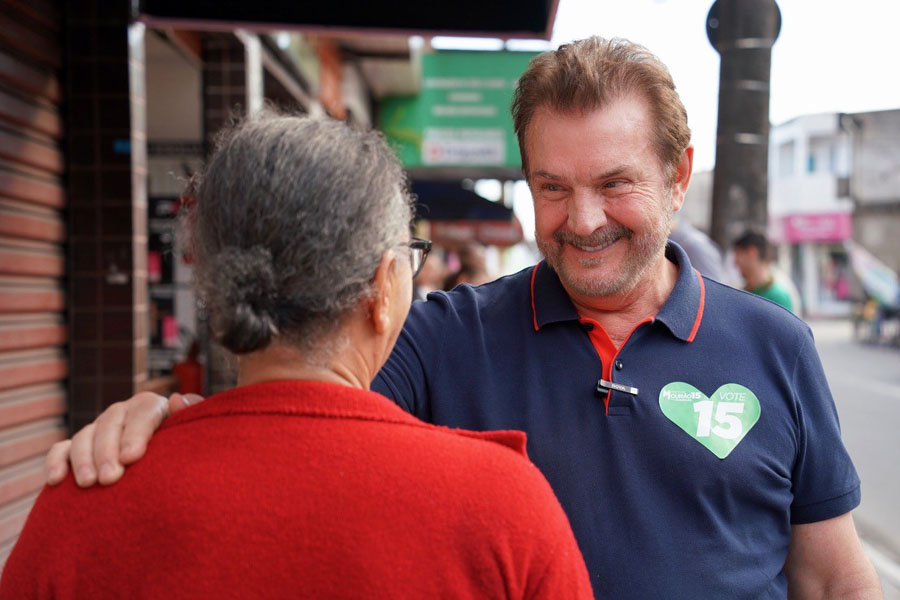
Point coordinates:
[[877, 279], [440, 201], [458, 216], [501, 18]]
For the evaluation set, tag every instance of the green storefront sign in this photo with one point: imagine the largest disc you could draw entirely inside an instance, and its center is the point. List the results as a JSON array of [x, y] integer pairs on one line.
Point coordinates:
[[461, 116]]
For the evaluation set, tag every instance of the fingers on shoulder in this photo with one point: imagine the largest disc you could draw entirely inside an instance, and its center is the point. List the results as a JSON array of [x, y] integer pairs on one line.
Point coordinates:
[[56, 463], [144, 413]]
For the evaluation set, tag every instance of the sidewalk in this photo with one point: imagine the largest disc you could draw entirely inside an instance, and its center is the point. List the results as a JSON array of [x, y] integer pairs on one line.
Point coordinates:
[[856, 369]]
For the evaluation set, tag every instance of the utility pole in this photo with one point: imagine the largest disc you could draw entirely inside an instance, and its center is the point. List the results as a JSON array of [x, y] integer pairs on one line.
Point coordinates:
[[742, 32]]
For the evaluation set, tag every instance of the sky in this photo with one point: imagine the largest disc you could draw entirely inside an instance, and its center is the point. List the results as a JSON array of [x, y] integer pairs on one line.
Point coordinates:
[[831, 56]]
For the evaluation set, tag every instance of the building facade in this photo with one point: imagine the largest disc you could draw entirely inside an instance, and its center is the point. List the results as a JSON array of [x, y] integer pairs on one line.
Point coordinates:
[[874, 184], [834, 179], [810, 211]]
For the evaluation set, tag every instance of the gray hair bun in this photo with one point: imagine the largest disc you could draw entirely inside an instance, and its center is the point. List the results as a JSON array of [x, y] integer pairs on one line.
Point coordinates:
[[246, 281]]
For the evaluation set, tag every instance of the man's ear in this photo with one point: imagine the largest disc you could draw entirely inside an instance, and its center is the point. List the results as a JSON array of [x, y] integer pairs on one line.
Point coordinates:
[[682, 178], [384, 284]]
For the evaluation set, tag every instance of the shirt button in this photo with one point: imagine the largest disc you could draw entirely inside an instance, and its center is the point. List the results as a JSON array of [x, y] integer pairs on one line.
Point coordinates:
[[619, 365], [587, 326]]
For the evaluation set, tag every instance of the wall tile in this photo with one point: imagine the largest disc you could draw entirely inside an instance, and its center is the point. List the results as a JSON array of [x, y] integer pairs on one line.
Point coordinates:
[[112, 41], [118, 325], [85, 291], [116, 295], [117, 359], [85, 221], [82, 185], [85, 255], [82, 149], [117, 220], [85, 360], [116, 391], [85, 327]]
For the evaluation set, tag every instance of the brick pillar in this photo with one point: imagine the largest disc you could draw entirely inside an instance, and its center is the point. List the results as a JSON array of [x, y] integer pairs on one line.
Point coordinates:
[[232, 82], [107, 166]]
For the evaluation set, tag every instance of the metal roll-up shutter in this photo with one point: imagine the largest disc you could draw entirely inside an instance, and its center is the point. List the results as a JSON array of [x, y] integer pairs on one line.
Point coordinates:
[[33, 362]]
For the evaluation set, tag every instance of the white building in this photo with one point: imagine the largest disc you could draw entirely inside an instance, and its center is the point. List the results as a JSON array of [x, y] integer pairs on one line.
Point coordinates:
[[875, 182], [810, 209], [832, 178]]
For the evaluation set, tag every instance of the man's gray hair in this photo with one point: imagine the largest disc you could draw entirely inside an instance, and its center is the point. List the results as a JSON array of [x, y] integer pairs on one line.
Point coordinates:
[[292, 217]]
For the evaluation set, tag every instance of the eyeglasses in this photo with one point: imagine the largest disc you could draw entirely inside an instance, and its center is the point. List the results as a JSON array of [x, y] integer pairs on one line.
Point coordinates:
[[418, 252]]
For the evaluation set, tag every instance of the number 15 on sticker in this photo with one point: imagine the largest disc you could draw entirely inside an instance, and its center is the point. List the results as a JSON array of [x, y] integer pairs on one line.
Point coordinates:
[[728, 425], [719, 422]]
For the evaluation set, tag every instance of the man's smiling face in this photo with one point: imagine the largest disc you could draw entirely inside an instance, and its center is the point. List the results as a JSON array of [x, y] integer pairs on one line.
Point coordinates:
[[603, 203]]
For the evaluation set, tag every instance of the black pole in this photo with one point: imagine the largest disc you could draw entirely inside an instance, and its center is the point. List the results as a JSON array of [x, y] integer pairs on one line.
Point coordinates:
[[742, 31]]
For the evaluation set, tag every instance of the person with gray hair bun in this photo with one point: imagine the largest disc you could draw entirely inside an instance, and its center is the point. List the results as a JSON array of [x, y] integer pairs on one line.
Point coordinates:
[[293, 217], [301, 482]]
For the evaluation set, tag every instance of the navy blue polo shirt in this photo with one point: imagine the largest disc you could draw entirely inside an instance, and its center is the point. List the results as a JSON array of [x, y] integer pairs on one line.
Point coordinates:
[[683, 482]]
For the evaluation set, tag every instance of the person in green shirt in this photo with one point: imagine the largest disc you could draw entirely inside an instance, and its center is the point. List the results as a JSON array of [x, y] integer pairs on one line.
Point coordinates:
[[752, 255]]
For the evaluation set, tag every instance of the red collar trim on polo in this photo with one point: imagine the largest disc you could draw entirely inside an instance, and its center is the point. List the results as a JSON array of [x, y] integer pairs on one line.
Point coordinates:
[[319, 399], [682, 313], [533, 309], [699, 317]]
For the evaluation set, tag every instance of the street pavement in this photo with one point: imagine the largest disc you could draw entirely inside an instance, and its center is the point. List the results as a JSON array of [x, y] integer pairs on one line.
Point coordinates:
[[865, 382]]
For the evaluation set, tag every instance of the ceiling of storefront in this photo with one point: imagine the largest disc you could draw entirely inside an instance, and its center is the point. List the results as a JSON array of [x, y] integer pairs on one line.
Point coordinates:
[[499, 18]]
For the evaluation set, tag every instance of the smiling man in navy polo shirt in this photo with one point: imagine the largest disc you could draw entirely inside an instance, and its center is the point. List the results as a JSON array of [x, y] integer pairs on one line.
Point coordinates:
[[686, 427]]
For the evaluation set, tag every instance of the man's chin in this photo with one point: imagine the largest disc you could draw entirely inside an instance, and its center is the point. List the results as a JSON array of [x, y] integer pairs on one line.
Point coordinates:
[[597, 278], [596, 281]]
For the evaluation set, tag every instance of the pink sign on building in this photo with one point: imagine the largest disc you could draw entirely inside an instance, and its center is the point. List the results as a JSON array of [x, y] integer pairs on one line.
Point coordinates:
[[828, 227]]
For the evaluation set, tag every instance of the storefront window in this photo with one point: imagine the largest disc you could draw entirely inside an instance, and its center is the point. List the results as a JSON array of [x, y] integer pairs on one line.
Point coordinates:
[[835, 291]]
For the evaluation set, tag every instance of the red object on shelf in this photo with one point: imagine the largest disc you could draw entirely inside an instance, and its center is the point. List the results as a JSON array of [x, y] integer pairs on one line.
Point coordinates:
[[189, 373], [154, 266], [169, 333]]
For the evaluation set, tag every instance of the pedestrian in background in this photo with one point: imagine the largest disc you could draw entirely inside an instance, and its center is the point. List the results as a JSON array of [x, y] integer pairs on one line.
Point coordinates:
[[432, 275], [753, 256], [704, 253], [472, 267]]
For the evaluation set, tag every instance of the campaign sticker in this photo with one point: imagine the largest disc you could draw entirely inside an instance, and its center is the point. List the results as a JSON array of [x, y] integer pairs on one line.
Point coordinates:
[[720, 422]]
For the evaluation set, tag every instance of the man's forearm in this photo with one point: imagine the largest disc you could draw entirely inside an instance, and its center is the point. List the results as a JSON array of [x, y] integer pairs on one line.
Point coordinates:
[[863, 584], [867, 588], [827, 561]]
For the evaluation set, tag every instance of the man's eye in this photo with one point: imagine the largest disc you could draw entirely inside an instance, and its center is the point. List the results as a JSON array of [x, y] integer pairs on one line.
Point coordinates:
[[617, 186], [550, 187]]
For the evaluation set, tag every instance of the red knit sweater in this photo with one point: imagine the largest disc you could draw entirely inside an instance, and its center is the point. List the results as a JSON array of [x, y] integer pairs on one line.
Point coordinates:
[[305, 490]]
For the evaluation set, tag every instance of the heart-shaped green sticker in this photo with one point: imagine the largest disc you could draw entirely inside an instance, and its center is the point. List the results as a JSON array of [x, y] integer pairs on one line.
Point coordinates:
[[720, 422]]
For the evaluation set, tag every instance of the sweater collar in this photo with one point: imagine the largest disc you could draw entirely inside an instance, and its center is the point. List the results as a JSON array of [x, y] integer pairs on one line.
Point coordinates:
[[318, 399]]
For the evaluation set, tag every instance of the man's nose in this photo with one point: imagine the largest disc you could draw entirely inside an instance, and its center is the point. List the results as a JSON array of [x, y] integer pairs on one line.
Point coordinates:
[[586, 213]]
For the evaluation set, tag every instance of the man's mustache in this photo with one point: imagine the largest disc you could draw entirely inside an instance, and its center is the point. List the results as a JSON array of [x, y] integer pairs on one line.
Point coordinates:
[[600, 237]]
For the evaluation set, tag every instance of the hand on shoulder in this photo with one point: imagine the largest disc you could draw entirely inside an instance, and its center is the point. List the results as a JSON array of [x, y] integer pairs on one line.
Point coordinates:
[[117, 438]]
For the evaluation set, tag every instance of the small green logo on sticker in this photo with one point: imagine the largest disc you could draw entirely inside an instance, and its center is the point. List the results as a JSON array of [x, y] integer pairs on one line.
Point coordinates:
[[720, 422]]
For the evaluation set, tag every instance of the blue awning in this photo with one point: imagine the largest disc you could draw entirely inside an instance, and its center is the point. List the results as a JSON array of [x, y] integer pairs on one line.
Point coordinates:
[[443, 201]]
